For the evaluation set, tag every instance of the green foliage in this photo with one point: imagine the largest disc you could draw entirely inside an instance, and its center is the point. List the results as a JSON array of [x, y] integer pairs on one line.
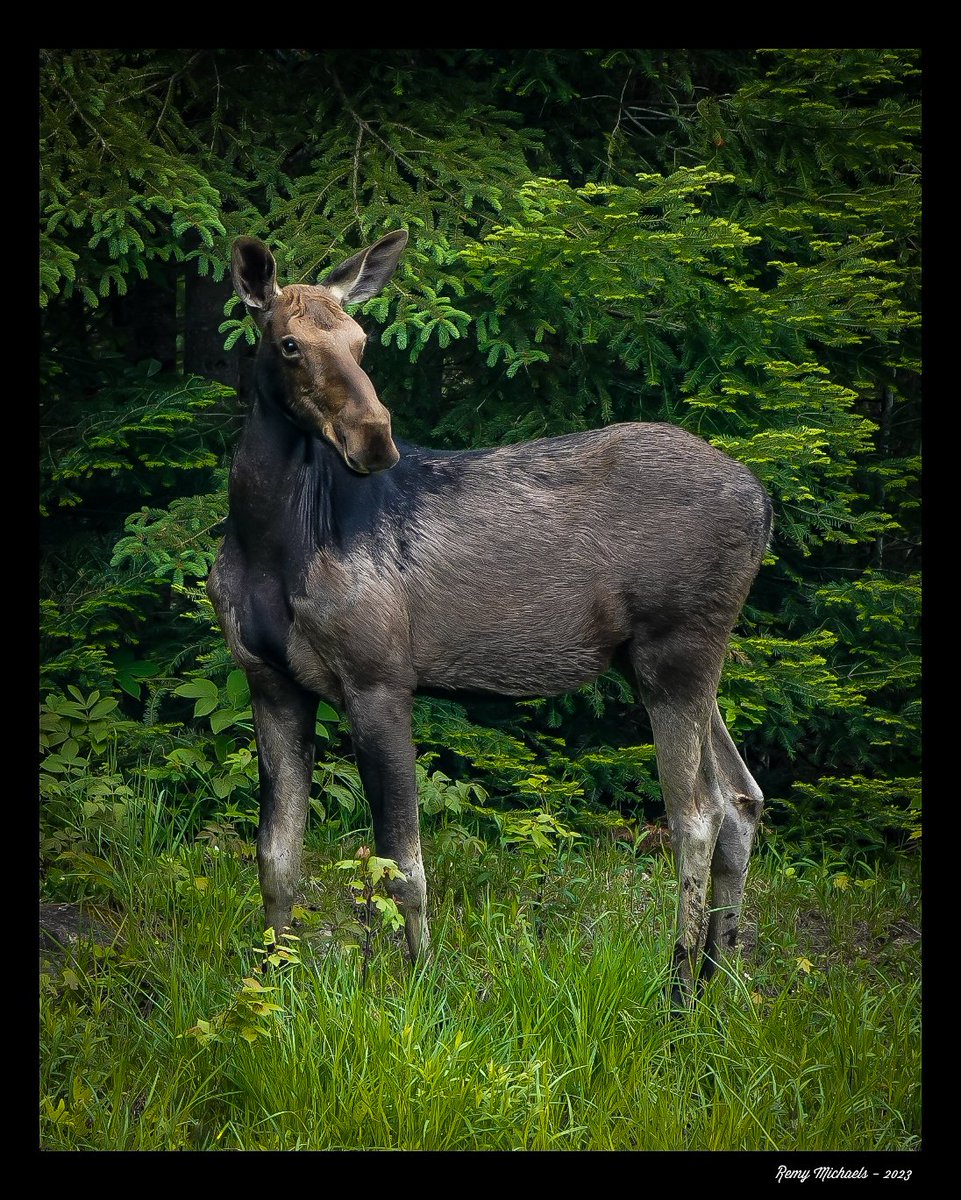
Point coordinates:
[[724, 239], [68, 722], [857, 813], [250, 1015], [373, 902], [537, 833], [143, 425], [500, 1040], [117, 192], [175, 543], [245, 1016]]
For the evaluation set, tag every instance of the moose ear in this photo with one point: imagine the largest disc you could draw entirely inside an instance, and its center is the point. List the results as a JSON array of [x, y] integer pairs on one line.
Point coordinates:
[[254, 272], [365, 273]]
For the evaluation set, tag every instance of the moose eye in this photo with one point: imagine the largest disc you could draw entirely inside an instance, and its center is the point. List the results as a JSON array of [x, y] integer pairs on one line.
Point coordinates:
[[290, 347]]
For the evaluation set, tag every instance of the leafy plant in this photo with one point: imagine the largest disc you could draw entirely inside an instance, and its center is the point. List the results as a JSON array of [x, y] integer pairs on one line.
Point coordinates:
[[251, 1014], [374, 905]]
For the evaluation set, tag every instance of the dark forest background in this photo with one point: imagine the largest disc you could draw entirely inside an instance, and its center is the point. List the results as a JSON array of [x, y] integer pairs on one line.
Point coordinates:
[[723, 239]]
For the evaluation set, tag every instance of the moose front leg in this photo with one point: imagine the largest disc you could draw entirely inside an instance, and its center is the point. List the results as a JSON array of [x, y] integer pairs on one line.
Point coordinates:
[[380, 718], [284, 721]]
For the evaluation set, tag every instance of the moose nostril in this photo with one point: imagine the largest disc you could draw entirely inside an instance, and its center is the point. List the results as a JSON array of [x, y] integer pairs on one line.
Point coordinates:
[[374, 430], [374, 459], [370, 448], [381, 451]]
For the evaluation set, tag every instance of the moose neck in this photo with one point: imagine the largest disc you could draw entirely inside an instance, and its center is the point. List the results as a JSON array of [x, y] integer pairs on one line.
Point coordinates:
[[285, 482]]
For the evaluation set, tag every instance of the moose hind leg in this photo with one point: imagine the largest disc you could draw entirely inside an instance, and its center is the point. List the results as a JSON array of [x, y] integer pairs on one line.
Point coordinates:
[[380, 721], [694, 813], [743, 803], [284, 721]]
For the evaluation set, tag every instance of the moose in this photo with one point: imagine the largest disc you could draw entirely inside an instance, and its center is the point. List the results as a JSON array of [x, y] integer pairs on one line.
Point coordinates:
[[360, 569]]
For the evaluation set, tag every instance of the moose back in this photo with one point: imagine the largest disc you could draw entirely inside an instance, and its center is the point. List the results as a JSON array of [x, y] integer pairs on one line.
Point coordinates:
[[358, 570]]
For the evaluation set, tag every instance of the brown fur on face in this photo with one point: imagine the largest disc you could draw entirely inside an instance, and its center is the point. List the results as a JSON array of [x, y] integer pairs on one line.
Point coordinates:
[[326, 388]]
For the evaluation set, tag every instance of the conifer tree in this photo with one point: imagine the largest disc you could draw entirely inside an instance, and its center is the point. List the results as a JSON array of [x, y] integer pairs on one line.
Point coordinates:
[[724, 239]]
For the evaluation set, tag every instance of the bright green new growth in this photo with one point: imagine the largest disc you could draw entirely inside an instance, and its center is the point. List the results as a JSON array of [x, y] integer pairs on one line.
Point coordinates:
[[368, 887]]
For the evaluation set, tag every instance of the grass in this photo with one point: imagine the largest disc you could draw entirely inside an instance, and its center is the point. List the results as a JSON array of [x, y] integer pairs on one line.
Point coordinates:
[[538, 1022]]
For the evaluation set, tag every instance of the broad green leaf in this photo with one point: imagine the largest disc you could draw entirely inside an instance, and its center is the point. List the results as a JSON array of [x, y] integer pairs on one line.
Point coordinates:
[[238, 690], [201, 689]]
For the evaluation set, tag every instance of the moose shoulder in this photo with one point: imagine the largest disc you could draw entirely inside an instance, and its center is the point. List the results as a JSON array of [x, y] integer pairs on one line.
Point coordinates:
[[359, 570]]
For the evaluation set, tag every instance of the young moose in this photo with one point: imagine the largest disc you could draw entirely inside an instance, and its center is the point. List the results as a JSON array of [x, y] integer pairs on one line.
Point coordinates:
[[359, 571]]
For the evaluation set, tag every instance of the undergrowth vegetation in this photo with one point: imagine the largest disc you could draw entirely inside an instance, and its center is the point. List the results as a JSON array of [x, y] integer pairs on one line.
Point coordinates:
[[538, 1021]]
